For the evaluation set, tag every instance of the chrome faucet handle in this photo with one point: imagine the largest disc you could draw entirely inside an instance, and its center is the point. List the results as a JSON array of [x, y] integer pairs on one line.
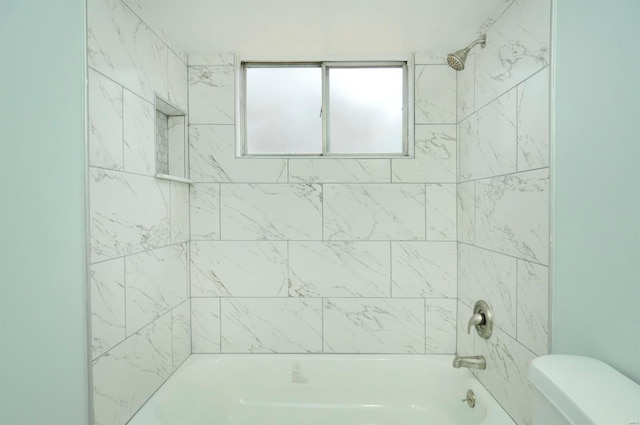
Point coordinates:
[[482, 319], [476, 319]]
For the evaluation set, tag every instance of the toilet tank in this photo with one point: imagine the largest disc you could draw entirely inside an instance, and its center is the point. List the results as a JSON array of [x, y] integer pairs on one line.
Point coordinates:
[[573, 390]]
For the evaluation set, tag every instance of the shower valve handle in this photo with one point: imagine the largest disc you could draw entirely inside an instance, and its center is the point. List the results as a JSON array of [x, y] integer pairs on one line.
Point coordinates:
[[476, 319], [482, 319]]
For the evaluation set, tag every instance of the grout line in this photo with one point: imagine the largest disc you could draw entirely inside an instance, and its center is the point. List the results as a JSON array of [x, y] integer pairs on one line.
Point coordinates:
[[219, 211], [139, 252], [502, 253], [162, 40], [506, 91], [220, 323], [426, 221], [391, 269], [475, 214], [322, 326], [327, 297]]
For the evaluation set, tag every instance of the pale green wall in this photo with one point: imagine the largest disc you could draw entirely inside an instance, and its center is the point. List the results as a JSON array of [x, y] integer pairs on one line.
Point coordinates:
[[596, 278], [43, 355]]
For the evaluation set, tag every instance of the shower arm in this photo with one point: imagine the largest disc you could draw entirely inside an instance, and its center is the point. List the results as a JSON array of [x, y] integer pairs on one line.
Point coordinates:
[[482, 40]]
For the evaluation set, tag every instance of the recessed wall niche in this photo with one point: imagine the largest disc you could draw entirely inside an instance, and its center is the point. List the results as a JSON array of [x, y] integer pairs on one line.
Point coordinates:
[[171, 146]]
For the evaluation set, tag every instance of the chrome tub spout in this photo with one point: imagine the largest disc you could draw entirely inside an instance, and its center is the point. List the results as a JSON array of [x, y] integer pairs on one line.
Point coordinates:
[[470, 362]]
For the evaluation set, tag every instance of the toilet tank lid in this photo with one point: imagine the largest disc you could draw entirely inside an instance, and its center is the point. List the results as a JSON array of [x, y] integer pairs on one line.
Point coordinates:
[[587, 391]]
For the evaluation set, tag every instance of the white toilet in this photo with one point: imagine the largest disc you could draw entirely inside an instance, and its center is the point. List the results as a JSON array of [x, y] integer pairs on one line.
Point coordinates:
[[573, 390]]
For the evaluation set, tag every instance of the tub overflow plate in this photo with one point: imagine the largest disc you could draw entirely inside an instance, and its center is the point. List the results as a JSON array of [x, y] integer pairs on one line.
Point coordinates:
[[471, 399]]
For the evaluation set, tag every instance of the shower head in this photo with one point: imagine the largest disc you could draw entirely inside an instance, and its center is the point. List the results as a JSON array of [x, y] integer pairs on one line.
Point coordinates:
[[456, 60]]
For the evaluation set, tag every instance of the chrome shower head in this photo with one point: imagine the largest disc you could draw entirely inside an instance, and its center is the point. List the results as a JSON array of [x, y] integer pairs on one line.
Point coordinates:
[[456, 60]]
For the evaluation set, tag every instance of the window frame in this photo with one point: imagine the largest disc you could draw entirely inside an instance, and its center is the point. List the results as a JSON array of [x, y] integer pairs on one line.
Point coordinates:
[[406, 64]]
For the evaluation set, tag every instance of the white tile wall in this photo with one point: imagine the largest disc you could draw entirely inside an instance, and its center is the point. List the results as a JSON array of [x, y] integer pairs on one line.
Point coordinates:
[[374, 212], [181, 333], [271, 325], [239, 269], [129, 373], [286, 242], [205, 325], [211, 94], [139, 226], [366, 325], [204, 210], [105, 122], [503, 198], [339, 170], [435, 157], [424, 269], [107, 305], [213, 158], [339, 269], [156, 282], [271, 211], [435, 94], [139, 135]]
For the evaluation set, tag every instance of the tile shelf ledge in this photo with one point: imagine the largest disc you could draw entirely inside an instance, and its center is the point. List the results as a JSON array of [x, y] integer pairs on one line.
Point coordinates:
[[174, 178]]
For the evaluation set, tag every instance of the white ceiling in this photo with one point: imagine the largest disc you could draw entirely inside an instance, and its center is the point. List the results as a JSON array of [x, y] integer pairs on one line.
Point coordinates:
[[319, 28]]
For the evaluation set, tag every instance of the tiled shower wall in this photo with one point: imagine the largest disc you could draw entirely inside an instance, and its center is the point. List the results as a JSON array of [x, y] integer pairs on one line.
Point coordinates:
[[503, 198], [322, 255], [139, 225]]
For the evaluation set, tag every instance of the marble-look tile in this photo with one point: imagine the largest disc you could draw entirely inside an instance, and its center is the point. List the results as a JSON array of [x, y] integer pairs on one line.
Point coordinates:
[[533, 307], [533, 122], [506, 374], [205, 325], [374, 212], [441, 212], [123, 48], [466, 212], [181, 333], [179, 212], [239, 269], [156, 281], [435, 94], [517, 47], [488, 140], [271, 211], [466, 90], [465, 342], [212, 59], [140, 10], [339, 269], [125, 377], [211, 94], [178, 82], [512, 215], [212, 154], [441, 326], [435, 157], [139, 135], [501, 6], [366, 325], [105, 122], [204, 208], [107, 305], [339, 170], [178, 147], [128, 214], [430, 58], [271, 325], [488, 276], [424, 269]]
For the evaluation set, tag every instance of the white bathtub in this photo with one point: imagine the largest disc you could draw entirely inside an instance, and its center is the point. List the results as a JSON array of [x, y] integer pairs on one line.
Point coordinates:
[[265, 389]]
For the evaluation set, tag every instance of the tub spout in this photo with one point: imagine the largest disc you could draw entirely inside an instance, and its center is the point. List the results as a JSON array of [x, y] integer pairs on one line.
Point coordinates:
[[470, 362]]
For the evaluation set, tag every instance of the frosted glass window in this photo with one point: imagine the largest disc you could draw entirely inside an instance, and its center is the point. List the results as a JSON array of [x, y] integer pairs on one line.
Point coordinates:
[[283, 110], [366, 110]]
